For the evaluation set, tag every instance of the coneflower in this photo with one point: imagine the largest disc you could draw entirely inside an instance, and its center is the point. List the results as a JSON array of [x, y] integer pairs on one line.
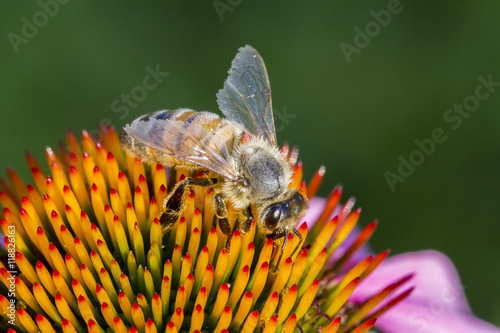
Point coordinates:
[[86, 253]]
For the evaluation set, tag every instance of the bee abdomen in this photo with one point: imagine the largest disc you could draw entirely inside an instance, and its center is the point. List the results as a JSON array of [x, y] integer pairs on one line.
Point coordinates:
[[146, 154], [217, 128], [135, 148]]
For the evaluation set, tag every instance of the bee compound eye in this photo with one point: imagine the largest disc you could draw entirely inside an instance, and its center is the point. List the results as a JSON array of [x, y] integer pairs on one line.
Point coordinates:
[[298, 197], [273, 216]]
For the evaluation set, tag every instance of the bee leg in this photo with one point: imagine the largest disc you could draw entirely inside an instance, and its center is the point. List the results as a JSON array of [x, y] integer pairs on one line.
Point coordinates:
[[247, 224], [221, 213], [174, 202], [301, 240], [277, 235]]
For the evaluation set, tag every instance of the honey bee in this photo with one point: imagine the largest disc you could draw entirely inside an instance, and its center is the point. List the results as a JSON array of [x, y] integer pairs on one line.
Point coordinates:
[[252, 174]]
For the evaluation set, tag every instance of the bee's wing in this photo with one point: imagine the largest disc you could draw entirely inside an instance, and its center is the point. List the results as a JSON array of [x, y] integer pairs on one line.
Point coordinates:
[[246, 96], [172, 138]]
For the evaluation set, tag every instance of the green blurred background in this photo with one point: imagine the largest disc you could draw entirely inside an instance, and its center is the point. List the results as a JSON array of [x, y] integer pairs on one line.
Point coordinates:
[[356, 118]]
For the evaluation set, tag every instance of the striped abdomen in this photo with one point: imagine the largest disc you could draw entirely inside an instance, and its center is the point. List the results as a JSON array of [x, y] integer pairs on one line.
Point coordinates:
[[180, 137]]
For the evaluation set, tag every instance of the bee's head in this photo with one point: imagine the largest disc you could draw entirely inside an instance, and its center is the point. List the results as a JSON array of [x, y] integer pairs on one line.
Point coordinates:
[[283, 215]]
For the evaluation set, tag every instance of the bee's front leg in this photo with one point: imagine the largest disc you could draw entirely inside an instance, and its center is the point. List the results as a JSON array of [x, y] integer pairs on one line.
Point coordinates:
[[221, 213], [247, 223], [283, 233], [174, 203]]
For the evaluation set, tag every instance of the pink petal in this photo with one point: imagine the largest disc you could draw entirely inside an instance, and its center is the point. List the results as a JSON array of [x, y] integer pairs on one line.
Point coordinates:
[[316, 206], [437, 305]]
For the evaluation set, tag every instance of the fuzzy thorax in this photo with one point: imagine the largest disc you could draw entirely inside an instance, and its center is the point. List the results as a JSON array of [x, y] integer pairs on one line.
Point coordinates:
[[266, 172]]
